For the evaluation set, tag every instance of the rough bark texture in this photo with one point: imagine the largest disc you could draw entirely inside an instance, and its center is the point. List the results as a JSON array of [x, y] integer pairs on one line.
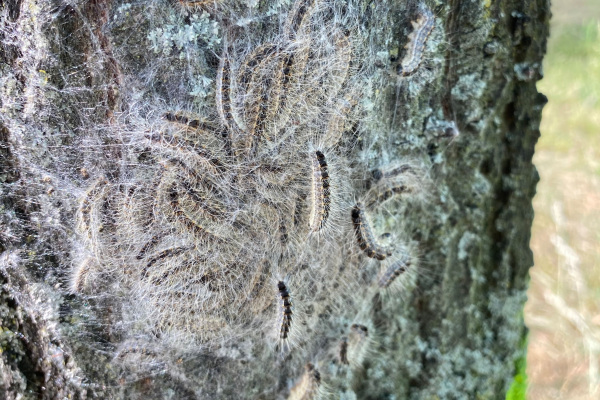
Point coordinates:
[[71, 71]]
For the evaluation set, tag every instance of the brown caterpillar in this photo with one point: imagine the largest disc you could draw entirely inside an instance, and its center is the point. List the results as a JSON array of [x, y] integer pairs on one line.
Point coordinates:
[[277, 92], [97, 190], [416, 42], [308, 386], [256, 118], [199, 154], [188, 220], [197, 201], [285, 75], [320, 192], [392, 182], [223, 94], [286, 311], [197, 3], [257, 80], [182, 119], [151, 243], [201, 128], [135, 349], [190, 177], [393, 271], [343, 353], [188, 267], [379, 174], [79, 278], [343, 55], [364, 235], [190, 194], [172, 252], [169, 195], [290, 71], [358, 344], [297, 17], [382, 196], [336, 126], [260, 55]]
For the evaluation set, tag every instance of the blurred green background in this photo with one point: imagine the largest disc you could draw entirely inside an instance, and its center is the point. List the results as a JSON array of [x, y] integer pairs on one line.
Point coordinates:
[[563, 307]]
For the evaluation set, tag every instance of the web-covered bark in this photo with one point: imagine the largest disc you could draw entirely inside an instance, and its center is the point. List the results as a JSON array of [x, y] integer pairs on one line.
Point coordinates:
[[177, 229]]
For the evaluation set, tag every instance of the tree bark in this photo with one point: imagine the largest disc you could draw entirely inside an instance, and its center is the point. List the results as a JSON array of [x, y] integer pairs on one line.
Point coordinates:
[[76, 76]]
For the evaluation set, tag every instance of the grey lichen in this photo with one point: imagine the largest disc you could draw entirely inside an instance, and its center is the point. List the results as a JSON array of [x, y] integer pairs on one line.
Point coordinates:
[[175, 33]]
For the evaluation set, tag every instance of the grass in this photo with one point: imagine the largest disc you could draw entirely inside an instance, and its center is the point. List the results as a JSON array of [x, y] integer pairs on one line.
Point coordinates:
[[563, 310], [572, 82]]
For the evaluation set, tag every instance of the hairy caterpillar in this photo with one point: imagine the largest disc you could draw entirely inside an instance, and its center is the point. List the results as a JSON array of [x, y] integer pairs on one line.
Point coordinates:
[[358, 344], [86, 210], [198, 155], [170, 196], [160, 256], [223, 94], [80, 275], [364, 235], [308, 386], [337, 124], [320, 192], [285, 317], [416, 41], [392, 182], [297, 17], [392, 272], [343, 351]]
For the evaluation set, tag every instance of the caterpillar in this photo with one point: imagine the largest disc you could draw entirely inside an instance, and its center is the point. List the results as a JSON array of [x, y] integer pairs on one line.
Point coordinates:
[[149, 245], [276, 95], [343, 57], [380, 197], [256, 115], [308, 386], [286, 311], [364, 235], [320, 192], [379, 174], [197, 3], [416, 42], [191, 178], [297, 17], [197, 201], [343, 353], [180, 146], [358, 344], [392, 272], [182, 119], [257, 80], [259, 56], [80, 275], [188, 267], [189, 193], [223, 93], [172, 252], [336, 126], [392, 182], [134, 349], [97, 191], [169, 196]]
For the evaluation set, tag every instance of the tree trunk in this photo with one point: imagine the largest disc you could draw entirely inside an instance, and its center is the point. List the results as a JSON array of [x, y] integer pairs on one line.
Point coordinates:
[[107, 295]]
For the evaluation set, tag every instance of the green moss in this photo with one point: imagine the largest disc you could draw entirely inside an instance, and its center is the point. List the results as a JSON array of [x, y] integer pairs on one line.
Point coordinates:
[[518, 388]]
